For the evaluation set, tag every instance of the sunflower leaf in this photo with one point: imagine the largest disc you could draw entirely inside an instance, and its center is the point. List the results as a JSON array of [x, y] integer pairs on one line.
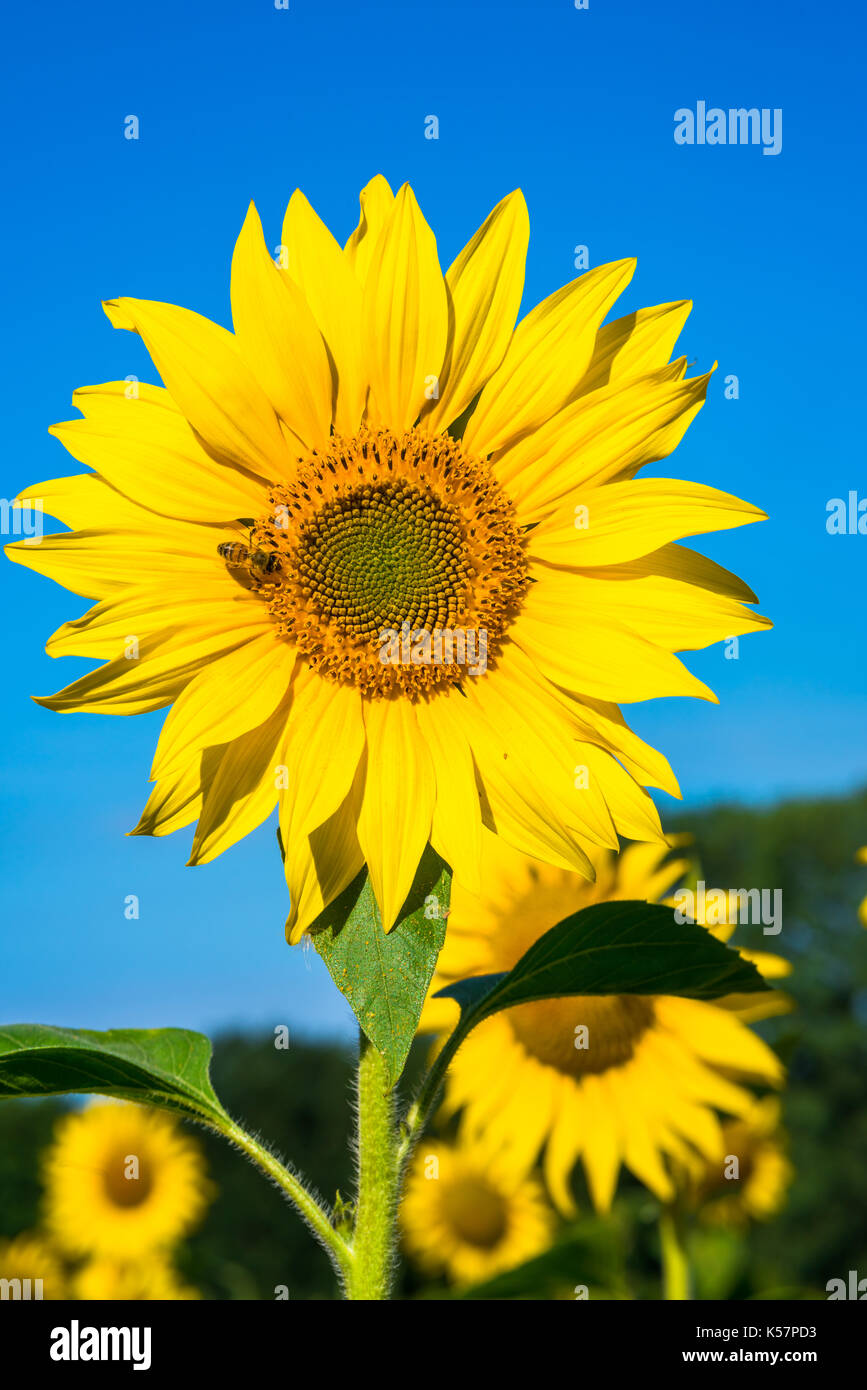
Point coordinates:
[[384, 976], [611, 948], [166, 1067]]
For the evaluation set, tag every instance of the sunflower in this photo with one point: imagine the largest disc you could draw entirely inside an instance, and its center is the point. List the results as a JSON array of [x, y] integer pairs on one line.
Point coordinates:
[[614, 1080], [385, 556], [756, 1190], [122, 1182], [148, 1280], [466, 1215], [31, 1257]]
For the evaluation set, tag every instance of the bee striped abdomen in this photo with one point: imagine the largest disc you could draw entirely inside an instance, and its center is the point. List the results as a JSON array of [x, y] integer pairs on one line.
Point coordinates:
[[233, 552]]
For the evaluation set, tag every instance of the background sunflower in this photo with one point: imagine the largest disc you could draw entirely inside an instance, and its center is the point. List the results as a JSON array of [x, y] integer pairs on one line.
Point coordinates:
[[467, 1216], [634, 1080], [121, 1182]]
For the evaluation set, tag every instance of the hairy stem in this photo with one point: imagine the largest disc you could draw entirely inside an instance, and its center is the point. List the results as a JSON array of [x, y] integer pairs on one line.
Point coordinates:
[[374, 1246], [305, 1203]]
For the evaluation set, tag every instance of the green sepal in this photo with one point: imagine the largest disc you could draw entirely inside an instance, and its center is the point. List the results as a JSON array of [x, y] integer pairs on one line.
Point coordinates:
[[384, 976]]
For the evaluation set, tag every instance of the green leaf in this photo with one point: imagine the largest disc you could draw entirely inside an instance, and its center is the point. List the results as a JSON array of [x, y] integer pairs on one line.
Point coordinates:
[[611, 948], [166, 1067], [385, 975]]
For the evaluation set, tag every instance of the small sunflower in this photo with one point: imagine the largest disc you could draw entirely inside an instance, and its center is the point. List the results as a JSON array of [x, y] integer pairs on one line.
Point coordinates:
[[613, 1080], [385, 555], [30, 1256], [756, 1189], [121, 1182], [466, 1215], [150, 1279]]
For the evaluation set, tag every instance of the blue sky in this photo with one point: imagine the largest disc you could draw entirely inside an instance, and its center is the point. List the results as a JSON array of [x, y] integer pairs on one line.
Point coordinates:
[[239, 101]]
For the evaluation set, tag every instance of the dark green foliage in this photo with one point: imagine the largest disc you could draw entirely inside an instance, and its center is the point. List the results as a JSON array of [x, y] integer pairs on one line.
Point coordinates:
[[807, 849]]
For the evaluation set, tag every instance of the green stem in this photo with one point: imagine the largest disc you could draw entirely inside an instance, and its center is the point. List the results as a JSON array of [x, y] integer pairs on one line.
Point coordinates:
[[305, 1203], [423, 1106], [676, 1278], [374, 1245]]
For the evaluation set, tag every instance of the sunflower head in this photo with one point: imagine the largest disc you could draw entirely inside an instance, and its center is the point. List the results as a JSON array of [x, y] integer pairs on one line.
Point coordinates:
[[383, 553], [391, 533], [121, 1182], [614, 1080], [31, 1257], [465, 1216]]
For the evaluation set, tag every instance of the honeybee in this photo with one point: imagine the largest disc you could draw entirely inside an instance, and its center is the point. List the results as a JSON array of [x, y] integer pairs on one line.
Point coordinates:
[[258, 561]]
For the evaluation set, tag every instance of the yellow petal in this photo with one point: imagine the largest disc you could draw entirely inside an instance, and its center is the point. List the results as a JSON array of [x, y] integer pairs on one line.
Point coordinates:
[[518, 1129], [174, 803], [146, 449], [241, 780], [514, 804], [597, 657], [485, 283], [279, 339], [104, 631], [399, 791], [548, 355], [82, 501], [536, 730], [457, 820], [601, 723], [322, 272], [404, 316], [320, 865], [667, 612], [623, 521], [209, 382], [376, 200], [721, 1039], [601, 1142], [632, 809], [97, 563], [771, 966], [324, 746], [167, 661], [679, 562], [225, 700], [635, 344], [641, 1154], [564, 1145], [601, 438]]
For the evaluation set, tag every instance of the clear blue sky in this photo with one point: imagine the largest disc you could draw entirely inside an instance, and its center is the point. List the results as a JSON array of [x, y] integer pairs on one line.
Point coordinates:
[[239, 100]]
